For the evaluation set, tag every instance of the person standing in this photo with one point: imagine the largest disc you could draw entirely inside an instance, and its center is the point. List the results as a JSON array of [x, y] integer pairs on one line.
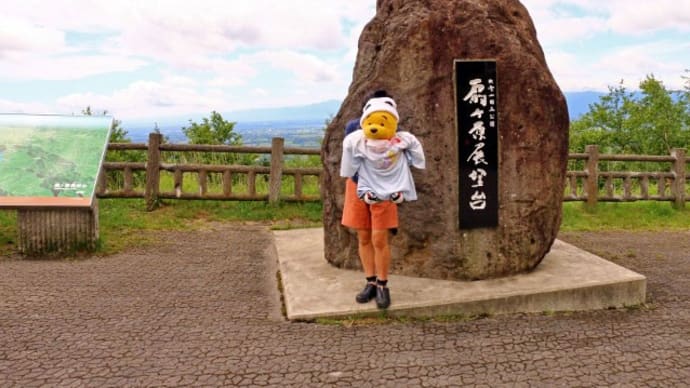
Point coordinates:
[[374, 220]]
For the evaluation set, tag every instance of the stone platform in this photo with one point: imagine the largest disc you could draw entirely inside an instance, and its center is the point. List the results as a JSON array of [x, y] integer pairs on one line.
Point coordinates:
[[568, 279]]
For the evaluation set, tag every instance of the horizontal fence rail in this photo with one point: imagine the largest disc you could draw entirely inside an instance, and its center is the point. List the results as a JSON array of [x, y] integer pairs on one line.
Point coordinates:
[[590, 183], [154, 165]]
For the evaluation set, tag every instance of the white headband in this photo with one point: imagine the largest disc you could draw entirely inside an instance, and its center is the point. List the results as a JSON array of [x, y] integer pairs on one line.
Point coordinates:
[[379, 104]]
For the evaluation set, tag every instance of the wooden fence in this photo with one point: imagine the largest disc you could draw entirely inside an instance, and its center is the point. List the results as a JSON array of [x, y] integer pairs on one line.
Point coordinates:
[[588, 185], [154, 165], [623, 186]]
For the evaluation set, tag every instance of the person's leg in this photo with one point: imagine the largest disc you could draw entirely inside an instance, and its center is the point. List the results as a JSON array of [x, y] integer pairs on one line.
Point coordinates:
[[384, 218], [382, 259], [366, 252], [356, 215], [382, 253], [366, 257]]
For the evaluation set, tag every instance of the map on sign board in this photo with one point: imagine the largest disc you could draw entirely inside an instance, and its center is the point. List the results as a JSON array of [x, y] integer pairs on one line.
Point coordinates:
[[51, 160]]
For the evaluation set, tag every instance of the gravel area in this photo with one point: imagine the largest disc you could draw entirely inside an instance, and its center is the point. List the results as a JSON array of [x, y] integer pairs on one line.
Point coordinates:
[[202, 308]]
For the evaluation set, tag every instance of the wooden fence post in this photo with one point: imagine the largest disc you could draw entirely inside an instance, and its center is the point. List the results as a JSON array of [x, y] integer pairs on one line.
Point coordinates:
[[678, 187], [592, 170], [153, 161], [101, 182], [277, 147]]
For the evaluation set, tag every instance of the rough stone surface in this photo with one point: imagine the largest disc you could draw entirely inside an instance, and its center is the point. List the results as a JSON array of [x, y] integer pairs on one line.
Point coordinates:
[[201, 309], [409, 49]]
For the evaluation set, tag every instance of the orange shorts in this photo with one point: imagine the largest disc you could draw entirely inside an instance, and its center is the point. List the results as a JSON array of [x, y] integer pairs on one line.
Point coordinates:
[[358, 215]]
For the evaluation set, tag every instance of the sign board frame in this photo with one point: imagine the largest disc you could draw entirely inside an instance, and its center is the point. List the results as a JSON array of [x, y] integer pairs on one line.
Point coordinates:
[[476, 101]]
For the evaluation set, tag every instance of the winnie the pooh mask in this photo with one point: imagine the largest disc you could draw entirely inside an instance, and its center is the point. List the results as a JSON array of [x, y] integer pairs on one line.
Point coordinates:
[[380, 118]]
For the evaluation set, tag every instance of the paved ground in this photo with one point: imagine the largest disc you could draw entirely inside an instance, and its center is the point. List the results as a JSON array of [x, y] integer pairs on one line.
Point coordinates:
[[202, 309]]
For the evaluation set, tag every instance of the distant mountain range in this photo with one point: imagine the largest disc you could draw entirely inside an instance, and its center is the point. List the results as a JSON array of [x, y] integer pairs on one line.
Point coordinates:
[[313, 112], [578, 103], [304, 123]]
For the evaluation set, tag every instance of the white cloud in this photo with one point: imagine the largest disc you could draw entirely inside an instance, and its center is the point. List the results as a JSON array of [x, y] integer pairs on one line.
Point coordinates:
[[553, 30], [232, 73], [73, 67], [591, 44], [640, 17], [631, 64], [174, 30], [19, 36], [259, 92], [204, 35], [305, 67], [210, 52], [662, 59], [7, 106], [574, 20], [144, 99], [227, 55]]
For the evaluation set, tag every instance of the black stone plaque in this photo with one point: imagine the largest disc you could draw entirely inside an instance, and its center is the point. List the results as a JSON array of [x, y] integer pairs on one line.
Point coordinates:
[[476, 99]]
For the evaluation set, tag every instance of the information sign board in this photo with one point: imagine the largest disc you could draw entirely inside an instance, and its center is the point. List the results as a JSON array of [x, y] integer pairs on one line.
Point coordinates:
[[51, 160]]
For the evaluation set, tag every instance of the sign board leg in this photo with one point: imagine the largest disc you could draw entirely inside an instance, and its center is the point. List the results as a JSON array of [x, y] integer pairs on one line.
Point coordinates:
[[45, 231]]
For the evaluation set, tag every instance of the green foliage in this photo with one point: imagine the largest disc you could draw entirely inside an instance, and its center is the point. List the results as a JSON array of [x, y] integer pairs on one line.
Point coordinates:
[[658, 120], [651, 122], [294, 161], [190, 184], [8, 228], [685, 97], [214, 131], [119, 135]]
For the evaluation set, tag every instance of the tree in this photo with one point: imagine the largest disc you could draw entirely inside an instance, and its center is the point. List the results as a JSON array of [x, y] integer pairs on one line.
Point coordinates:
[[653, 121], [605, 123], [215, 130], [659, 120], [117, 133], [685, 97]]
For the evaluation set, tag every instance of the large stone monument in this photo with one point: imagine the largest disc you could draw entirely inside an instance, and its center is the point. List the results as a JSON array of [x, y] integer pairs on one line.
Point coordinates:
[[411, 48]]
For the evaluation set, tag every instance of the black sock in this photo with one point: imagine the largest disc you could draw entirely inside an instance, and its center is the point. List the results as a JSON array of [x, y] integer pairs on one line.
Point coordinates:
[[382, 283], [371, 279]]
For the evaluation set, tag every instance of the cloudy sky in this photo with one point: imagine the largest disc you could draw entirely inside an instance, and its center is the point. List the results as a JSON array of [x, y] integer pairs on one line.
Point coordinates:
[[157, 58]]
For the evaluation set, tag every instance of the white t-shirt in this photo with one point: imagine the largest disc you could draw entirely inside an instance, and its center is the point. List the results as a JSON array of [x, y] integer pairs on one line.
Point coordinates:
[[383, 166]]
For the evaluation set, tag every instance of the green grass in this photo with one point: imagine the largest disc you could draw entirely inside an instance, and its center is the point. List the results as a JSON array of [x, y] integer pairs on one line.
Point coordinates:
[[123, 221], [8, 231], [126, 223], [631, 216]]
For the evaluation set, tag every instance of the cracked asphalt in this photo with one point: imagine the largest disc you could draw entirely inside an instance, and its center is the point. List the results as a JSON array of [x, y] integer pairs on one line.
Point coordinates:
[[202, 308]]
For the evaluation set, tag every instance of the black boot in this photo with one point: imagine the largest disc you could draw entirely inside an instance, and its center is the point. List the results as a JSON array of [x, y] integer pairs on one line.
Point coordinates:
[[367, 294], [383, 297]]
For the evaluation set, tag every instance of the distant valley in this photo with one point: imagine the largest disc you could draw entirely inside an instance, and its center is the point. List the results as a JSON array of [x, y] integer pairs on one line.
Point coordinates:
[[301, 126]]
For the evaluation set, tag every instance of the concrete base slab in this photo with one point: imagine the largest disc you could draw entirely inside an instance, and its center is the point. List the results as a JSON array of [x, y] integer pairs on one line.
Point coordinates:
[[568, 279]]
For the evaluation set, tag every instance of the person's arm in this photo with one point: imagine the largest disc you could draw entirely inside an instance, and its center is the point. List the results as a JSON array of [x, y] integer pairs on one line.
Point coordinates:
[[349, 164], [413, 150]]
